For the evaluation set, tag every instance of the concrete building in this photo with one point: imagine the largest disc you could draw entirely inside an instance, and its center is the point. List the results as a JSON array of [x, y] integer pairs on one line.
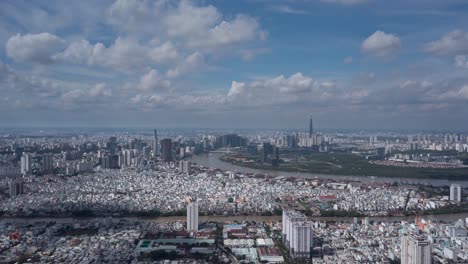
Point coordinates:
[[415, 250], [301, 239], [110, 162], [84, 167], [166, 150], [26, 164], [192, 217], [185, 166], [128, 156], [297, 234], [455, 193], [8, 171], [46, 163], [16, 188]]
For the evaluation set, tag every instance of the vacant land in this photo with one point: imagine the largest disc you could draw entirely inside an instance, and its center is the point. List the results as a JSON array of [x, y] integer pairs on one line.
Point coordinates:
[[351, 164]]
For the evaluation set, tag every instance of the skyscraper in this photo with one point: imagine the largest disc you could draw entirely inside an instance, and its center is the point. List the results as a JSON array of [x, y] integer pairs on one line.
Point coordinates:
[[155, 144], [166, 149], [192, 217], [415, 250], [311, 127], [455, 193]]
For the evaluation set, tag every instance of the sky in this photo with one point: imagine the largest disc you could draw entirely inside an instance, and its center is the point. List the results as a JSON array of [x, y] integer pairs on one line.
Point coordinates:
[[353, 64]]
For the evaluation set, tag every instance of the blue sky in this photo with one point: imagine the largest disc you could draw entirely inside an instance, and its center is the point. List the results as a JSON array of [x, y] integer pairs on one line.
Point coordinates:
[[259, 63]]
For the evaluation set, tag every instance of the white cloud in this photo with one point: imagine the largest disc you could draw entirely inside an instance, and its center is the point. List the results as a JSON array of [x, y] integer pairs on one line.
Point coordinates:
[[279, 90], [194, 61], [165, 53], [203, 27], [461, 61], [346, 2], [124, 54], [190, 20], [287, 10], [184, 22], [237, 88], [36, 48], [381, 44], [100, 89], [452, 43], [152, 81]]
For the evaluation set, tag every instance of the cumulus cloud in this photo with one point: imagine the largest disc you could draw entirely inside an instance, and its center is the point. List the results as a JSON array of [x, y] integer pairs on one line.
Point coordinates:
[[152, 81], [36, 48], [123, 54], [193, 62], [277, 90], [381, 44], [237, 88], [202, 27], [452, 43], [164, 53]]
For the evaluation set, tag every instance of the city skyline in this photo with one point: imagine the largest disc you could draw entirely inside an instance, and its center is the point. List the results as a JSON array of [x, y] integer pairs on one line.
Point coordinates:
[[253, 64]]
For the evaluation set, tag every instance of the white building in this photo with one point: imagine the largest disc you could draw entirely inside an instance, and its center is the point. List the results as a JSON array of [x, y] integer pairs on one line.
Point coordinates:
[[415, 250], [192, 217], [455, 193], [185, 166], [301, 239], [26, 164], [297, 234]]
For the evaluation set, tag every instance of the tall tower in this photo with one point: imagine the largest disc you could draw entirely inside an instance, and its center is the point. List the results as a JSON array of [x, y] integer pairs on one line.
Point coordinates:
[[192, 217], [311, 127], [155, 144]]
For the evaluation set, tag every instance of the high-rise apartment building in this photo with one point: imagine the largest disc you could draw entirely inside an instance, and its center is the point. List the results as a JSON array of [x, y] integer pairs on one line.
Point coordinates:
[[455, 193], [297, 234], [46, 163], [166, 150], [192, 217], [185, 166], [415, 250], [26, 164], [16, 188]]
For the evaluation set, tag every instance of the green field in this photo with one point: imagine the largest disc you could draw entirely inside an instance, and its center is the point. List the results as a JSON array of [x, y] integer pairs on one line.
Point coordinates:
[[351, 164]]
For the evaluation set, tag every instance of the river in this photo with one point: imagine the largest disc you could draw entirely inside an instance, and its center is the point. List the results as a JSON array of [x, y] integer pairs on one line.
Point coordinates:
[[211, 160], [450, 218]]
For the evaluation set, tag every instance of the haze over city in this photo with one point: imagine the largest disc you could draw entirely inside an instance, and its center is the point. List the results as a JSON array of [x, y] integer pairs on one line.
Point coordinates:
[[252, 64]]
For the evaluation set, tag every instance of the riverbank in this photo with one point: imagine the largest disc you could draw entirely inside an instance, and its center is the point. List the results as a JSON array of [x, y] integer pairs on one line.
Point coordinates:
[[445, 218], [349, 164], [212, 160]]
